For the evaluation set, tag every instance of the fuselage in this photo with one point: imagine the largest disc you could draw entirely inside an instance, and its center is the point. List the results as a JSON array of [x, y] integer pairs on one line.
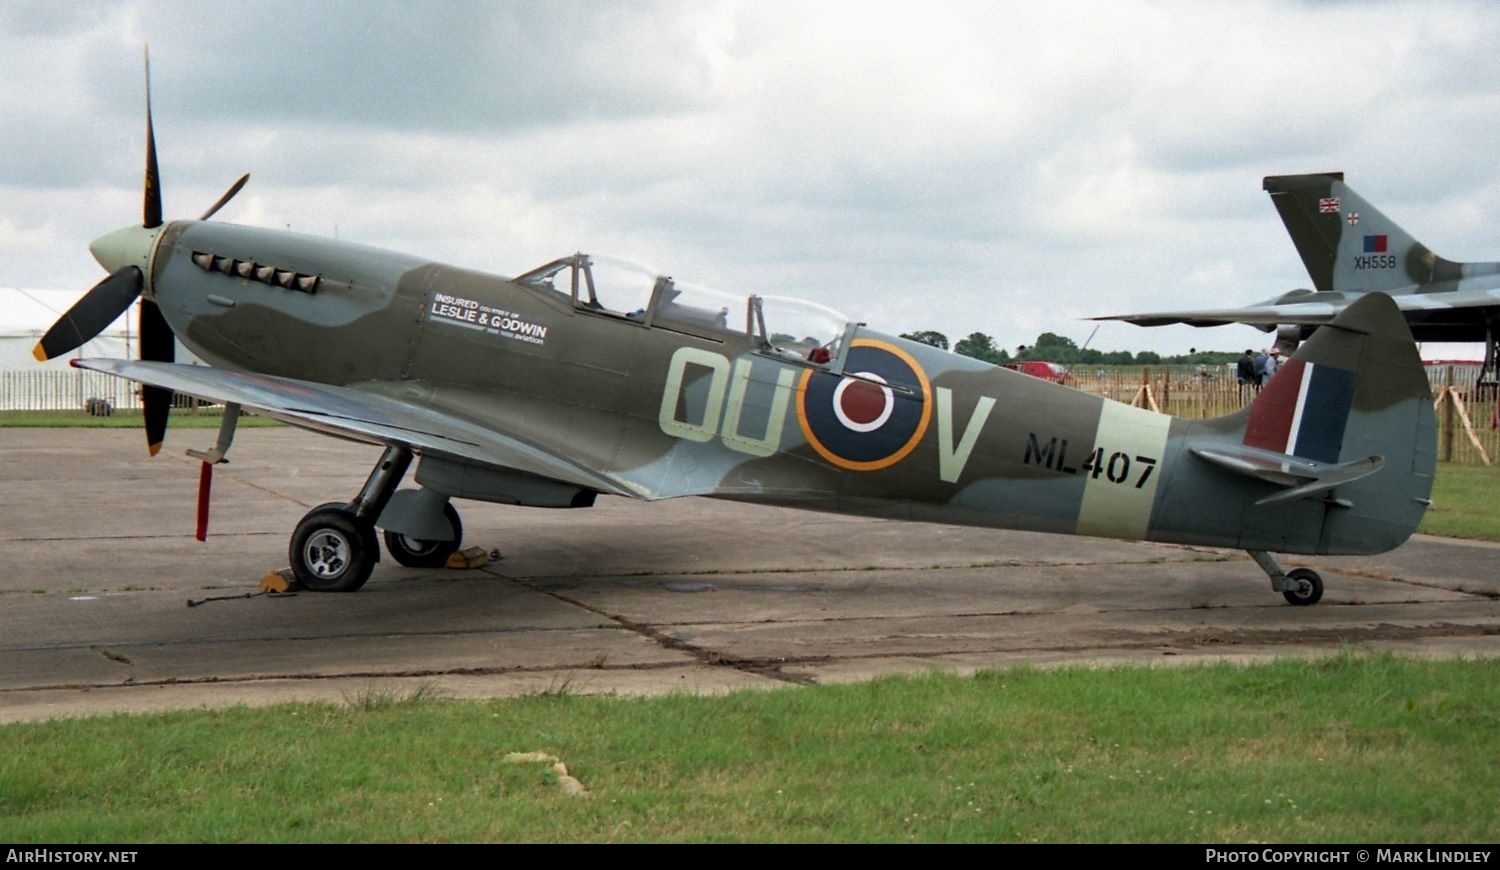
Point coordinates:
[[678, 399]]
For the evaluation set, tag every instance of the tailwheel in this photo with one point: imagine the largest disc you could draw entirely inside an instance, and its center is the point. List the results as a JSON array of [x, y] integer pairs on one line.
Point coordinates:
[[333, 550], [1299, 586], [1303, 587], [419, 553]]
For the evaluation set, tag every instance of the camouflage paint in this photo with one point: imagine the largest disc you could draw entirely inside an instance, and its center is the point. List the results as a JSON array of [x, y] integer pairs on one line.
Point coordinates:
[[478, 371]]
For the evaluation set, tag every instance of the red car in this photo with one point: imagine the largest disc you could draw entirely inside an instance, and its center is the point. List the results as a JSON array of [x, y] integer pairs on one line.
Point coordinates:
[[1047, 371]]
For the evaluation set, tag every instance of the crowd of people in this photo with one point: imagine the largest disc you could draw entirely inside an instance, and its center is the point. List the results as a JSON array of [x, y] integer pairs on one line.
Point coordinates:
[[1256, 370]]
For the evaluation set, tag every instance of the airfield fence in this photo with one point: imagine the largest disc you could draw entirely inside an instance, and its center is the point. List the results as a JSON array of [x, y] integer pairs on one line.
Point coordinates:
[[1467, 430], [1182, 391], [64, 390], [73, 390]]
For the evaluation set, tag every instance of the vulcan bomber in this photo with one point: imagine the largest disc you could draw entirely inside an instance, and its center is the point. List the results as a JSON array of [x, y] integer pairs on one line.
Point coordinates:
[[1351, 249]]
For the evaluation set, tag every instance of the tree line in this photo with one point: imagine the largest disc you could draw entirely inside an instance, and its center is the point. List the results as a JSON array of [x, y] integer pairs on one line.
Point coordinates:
[[1052, 347]]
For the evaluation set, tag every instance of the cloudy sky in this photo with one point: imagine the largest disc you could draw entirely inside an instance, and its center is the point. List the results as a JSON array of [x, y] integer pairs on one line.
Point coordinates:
[[990, 166]]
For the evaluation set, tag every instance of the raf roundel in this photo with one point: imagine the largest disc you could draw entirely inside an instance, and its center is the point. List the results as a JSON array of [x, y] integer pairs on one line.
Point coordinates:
[[863, 403], [872, 415]]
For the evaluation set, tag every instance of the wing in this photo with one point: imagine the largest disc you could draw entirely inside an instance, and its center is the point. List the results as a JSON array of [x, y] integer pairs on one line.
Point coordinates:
[[354, 413], [1269, 316], [1458, 306]]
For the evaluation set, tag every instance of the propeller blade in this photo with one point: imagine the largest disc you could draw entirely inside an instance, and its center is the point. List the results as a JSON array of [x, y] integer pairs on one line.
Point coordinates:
[[89, 316], [157, 341], [157, 403], [228, 195], [151, 207], [157, 345]]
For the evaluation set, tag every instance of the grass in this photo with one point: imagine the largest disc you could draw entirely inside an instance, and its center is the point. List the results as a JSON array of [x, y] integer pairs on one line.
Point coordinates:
[[1463, 503], [1346, 749]]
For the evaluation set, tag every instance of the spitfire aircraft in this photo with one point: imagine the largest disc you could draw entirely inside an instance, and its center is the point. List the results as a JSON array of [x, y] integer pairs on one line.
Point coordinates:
[[1350, 249], [585, 377]]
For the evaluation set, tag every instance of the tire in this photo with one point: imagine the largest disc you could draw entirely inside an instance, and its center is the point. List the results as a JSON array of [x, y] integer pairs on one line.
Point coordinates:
[[332, 550], [418, 553], [1309, 588]]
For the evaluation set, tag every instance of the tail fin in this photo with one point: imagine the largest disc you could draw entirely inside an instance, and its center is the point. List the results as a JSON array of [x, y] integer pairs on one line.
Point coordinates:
[[1343, 440], [1346, 243], [1303, 411]]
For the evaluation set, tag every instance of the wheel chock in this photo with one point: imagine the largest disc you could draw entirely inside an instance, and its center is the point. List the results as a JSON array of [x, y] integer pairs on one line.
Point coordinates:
[[280, 581], [469, 557]]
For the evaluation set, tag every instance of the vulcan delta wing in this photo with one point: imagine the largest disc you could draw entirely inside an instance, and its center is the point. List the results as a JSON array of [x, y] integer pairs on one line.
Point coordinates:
[[1350, 249], [587, 376]]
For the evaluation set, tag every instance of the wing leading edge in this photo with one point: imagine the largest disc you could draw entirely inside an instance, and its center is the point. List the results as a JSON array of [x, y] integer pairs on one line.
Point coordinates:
[[354, 413], [1319, 308], [1267, 316]]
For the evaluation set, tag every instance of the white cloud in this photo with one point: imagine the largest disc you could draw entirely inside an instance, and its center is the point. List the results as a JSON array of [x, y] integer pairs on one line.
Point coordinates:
[[999, 166]]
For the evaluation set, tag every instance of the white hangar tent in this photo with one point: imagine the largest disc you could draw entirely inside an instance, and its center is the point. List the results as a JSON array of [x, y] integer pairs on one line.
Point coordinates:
[[25, 314], [25, 384]]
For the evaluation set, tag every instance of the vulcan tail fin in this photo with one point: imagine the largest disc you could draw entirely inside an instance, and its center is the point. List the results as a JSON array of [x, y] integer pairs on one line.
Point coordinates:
[[1347, 244]]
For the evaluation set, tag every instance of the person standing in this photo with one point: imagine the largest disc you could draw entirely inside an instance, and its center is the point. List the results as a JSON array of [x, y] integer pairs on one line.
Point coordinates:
[[1244, 372], [1273, 362]]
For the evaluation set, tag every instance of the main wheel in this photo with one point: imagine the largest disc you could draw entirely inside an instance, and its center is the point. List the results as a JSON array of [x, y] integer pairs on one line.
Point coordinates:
[[332, 550], [418, 553], [1308, 588]]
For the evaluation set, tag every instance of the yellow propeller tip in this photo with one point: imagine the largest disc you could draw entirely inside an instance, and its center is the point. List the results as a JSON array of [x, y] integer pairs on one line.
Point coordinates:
[[154, 448], [41, 355]]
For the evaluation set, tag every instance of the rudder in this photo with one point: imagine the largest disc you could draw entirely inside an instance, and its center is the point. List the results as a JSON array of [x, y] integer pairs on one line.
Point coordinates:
[[1354, 393], [1334, 456]]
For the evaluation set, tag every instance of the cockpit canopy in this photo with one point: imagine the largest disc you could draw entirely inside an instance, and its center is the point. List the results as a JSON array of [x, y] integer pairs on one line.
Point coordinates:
[[631, 291]]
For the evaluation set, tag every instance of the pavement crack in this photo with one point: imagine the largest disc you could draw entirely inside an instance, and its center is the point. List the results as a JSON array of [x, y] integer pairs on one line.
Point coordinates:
[[121, 659], [761, 667], [321, 637], [116, 657], [1460, 587], [478, 671], [776, 668], [265, 489]]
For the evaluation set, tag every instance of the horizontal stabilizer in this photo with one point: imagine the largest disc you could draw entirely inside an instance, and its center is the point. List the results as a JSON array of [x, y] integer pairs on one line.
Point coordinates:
[[1303, 478]]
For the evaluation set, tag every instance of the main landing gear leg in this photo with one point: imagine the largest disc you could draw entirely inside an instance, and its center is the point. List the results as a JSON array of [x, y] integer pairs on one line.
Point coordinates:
[[334, 547], [1299, 586]]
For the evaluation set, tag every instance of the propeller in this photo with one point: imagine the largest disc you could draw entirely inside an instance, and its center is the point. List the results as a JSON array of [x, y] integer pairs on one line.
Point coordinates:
[[111, 297], [228, 195], [151, 199], [88, 317], [157, 343]]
